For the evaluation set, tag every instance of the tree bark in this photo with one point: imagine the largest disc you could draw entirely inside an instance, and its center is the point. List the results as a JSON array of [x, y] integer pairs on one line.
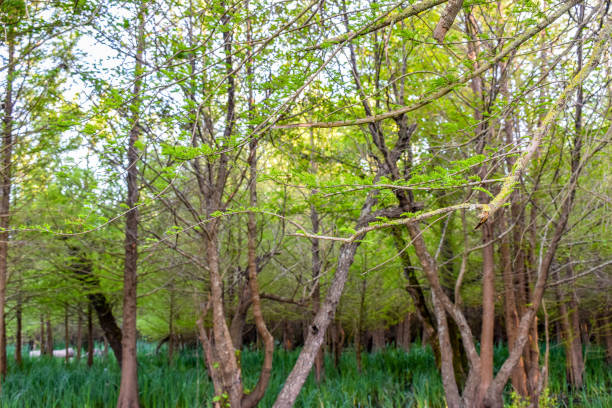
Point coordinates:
[[378, 339], [418, 297], [519, 378], [239, 318], [90, 339], [571, 337], [43, 346], [404, 338], [79, 337], [49, 332], [18, 340], [66, 334], [359, 329], [128, 389], [5, 188], [252, 399], [171, 327], [227, 367], [607, 327], [316, 259]]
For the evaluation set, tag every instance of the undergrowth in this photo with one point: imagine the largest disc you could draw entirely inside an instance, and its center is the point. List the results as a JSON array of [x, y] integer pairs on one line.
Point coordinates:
[[390, 378]]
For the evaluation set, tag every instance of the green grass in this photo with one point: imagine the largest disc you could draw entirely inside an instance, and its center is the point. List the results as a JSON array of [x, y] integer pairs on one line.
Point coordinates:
[[391, 378]]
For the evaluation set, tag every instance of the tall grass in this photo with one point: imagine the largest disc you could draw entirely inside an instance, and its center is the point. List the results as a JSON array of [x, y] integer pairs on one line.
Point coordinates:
[[390, 378]]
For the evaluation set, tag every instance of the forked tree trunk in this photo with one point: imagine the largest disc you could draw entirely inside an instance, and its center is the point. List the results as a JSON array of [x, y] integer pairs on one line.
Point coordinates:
[[225, 367]]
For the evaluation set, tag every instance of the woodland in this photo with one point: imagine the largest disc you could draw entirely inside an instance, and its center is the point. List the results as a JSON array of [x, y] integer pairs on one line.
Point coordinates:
[[242, 203]]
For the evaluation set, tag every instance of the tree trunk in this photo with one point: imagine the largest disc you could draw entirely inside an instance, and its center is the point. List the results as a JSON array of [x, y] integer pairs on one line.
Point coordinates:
[[403, 335], [239, 319], [252, 399], [359, 330], [228, 371], [128, 389], [519, 378], [338, 338], [418, 296], [79, 338], [607, 327], [5, 188], [43, 341], [18, 340], [90, 339], [488, 310], [171, 325], [316, 259], [378, 339], [571, 337], [49, 337], [66, 335]]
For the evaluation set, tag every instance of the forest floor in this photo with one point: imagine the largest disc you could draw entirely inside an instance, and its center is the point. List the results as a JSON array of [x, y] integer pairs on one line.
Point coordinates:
[[390, 378]]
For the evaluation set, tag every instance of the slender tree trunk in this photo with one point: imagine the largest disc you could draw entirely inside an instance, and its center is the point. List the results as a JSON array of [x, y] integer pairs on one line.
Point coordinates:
[[574, 341], [519, 378], [378, 339], [418, 296], [90, 339], [359, 330], [404, 338], [239, 319], [18, 340], [316, 258], [252, 399], [338, 341], [488, 310], [5, 188], [49, 332], [571, 337], [43, 348], [171, 326], [607, 328], [66, 334], [128, 389], [79, 339]]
